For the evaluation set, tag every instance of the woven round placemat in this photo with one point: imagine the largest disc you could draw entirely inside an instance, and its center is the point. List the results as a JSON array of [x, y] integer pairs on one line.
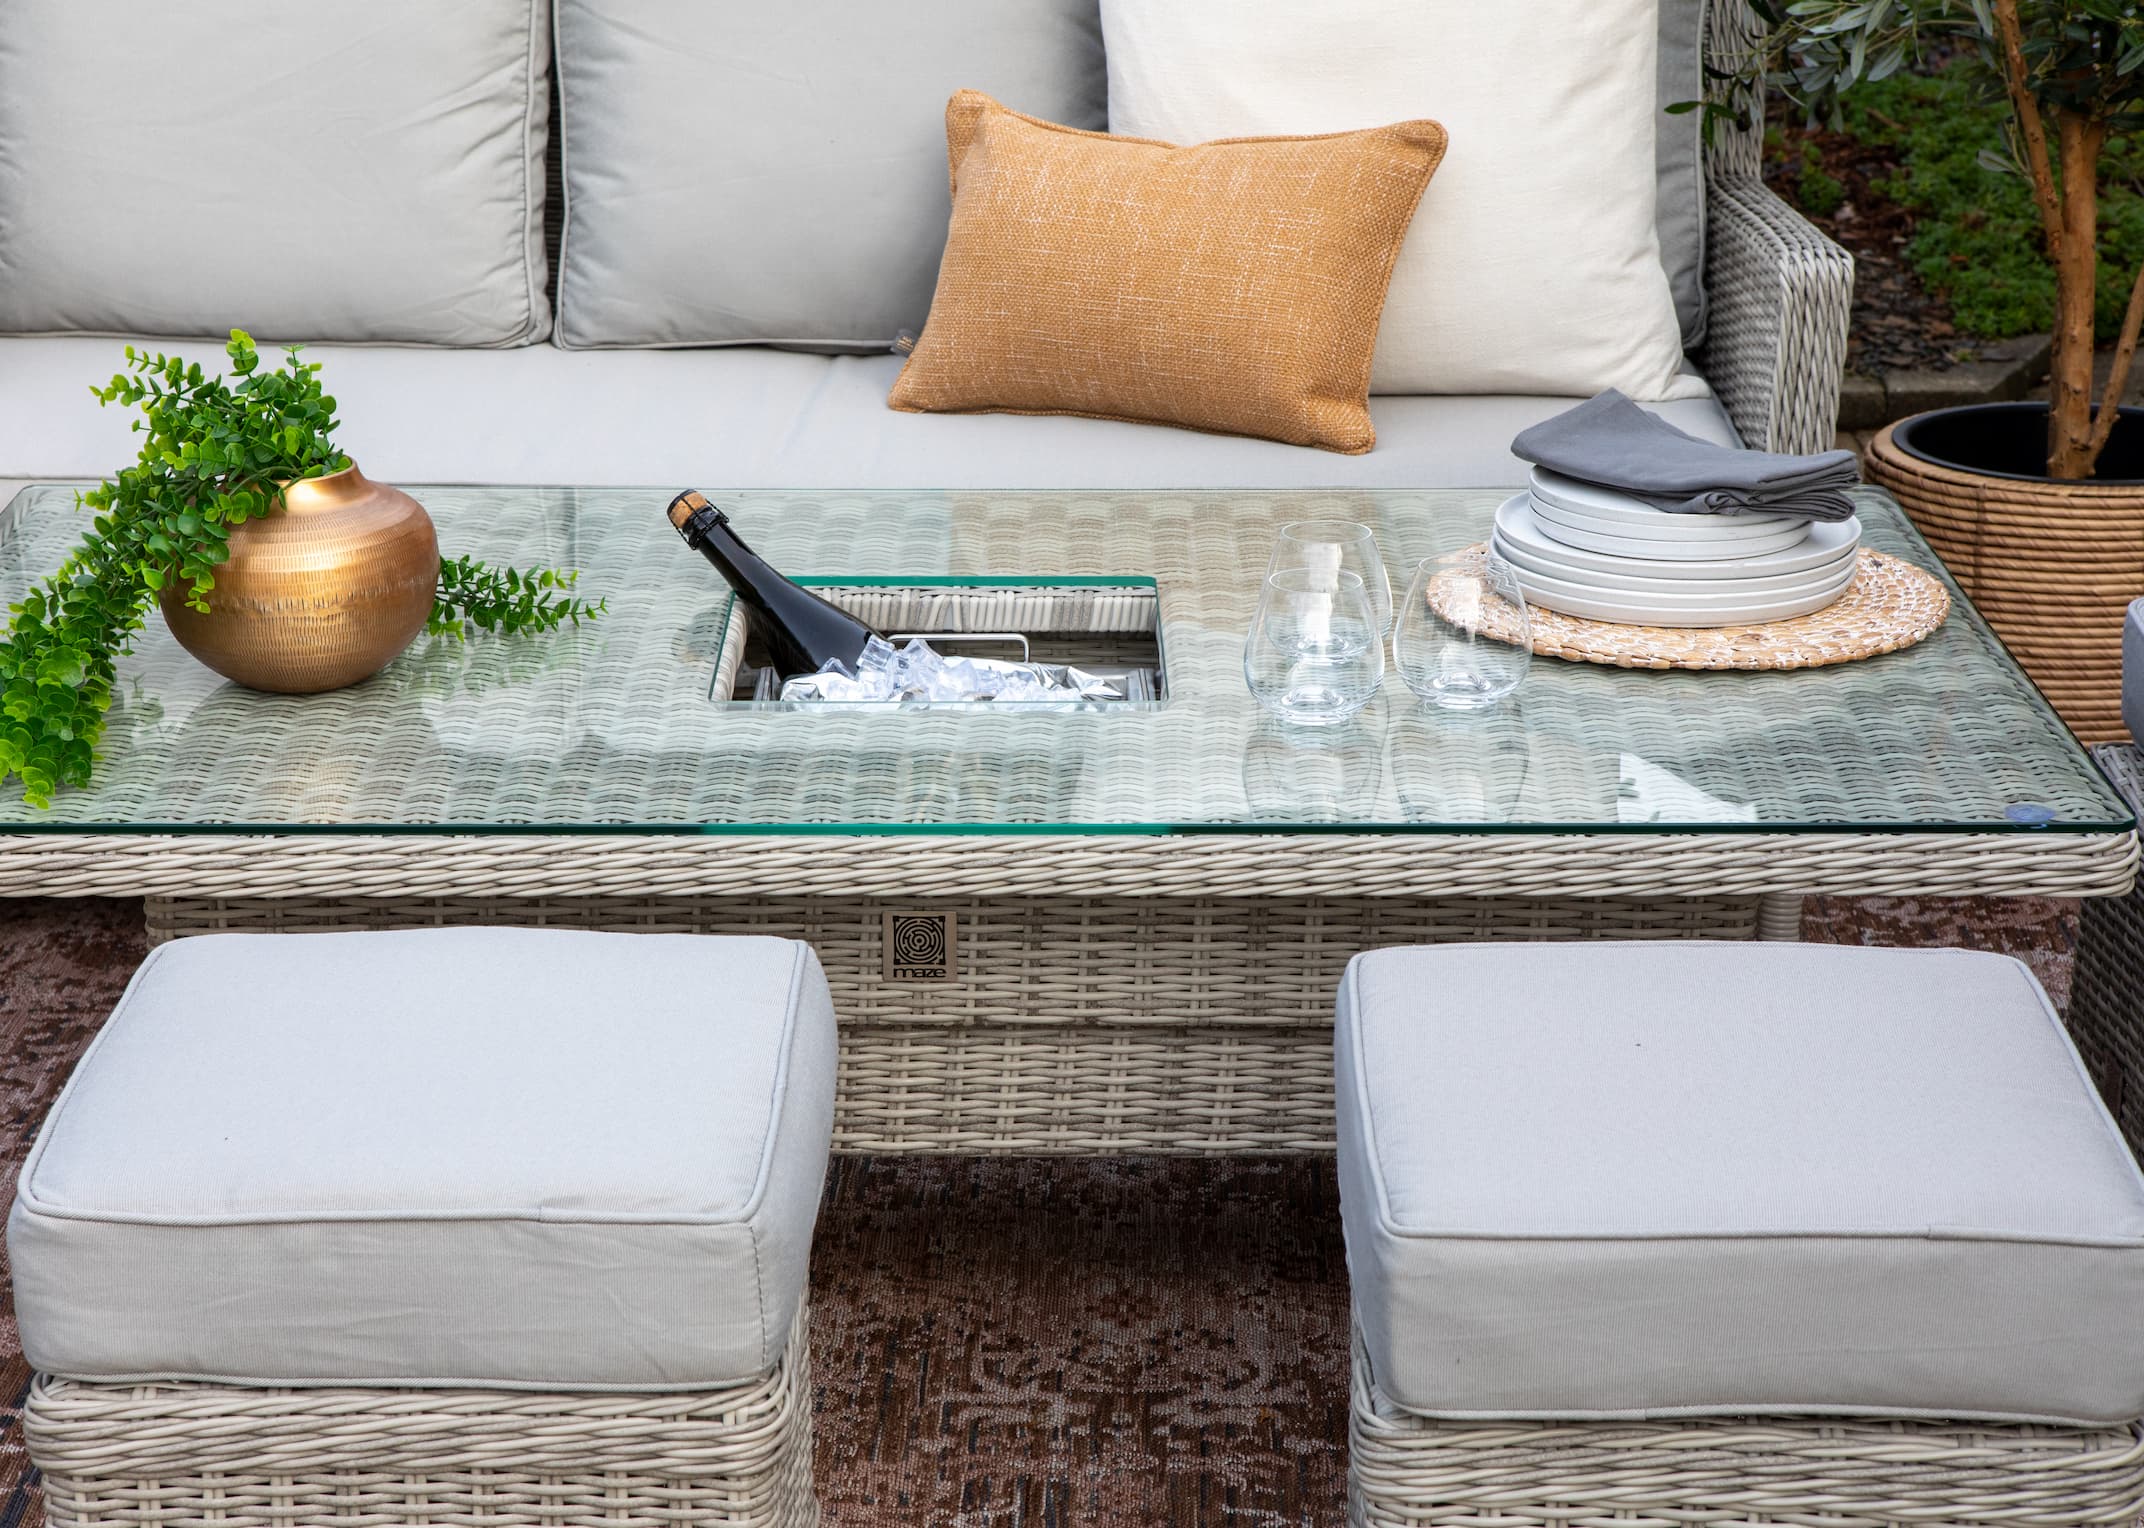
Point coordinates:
[[1889, 605]]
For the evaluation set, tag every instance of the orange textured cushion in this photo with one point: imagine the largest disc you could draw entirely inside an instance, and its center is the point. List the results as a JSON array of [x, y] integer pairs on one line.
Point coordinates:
[[1232, 286]]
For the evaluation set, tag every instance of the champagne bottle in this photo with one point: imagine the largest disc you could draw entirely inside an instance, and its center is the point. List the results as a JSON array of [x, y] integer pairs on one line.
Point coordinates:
[[803, 632]]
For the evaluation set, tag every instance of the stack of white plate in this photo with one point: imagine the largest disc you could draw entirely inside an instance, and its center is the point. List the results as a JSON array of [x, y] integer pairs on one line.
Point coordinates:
[[1592, 552]]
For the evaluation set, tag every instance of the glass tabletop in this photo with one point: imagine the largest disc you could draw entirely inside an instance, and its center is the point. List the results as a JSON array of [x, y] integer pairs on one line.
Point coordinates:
[[611, 729]]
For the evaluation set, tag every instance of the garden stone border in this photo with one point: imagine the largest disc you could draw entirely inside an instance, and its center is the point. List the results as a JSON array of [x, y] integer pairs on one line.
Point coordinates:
[[2005, 372]]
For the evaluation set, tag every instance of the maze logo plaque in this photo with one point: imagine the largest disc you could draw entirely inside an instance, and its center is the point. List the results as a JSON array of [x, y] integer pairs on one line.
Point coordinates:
[[921, 947]]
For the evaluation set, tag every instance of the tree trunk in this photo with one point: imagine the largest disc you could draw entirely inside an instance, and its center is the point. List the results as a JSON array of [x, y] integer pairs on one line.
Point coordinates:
[[2070, 449]]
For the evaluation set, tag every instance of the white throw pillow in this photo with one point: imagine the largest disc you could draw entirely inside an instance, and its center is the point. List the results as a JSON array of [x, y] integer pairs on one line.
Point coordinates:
[[1532, 265]]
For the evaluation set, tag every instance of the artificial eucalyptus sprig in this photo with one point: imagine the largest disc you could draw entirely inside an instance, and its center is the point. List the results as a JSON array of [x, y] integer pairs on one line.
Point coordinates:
[[215, 453], [506, 600]]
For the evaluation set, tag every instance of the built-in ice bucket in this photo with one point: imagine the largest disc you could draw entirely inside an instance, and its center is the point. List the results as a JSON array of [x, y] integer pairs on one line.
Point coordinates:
[[1109, 627]]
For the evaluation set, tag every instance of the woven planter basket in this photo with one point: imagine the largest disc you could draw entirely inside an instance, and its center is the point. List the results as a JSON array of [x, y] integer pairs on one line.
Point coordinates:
[[2052, 565]]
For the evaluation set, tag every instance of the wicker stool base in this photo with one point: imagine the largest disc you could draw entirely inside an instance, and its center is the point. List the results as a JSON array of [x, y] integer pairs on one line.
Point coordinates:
[[1406, 1471], [188, 1456], [1067, 1025]]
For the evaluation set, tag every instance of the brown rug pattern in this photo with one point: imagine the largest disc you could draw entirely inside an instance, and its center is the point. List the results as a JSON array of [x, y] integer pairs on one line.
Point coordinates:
[[996, 1342]]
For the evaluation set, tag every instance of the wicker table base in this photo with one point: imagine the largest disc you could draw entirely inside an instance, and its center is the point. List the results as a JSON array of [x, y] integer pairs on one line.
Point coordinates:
[[1408, 1471], [1066, 1024], [192, 1455], [1096, 993]]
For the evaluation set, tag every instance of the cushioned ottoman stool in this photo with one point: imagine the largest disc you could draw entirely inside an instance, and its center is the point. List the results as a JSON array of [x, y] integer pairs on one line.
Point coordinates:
[[1725, 1233], [488, 1226]]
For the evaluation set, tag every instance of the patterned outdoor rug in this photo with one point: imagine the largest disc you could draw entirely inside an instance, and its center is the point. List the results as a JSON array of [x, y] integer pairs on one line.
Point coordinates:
[[996, 1342]]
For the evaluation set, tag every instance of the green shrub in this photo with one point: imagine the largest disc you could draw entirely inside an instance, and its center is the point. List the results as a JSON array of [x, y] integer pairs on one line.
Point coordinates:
[[1978, 242], [1819, 192]]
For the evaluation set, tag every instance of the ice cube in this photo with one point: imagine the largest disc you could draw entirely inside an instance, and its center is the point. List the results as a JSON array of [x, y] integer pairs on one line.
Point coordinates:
[[918, 672]]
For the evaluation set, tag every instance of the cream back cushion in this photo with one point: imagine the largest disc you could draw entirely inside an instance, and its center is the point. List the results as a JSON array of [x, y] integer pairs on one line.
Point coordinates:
[[1532, 265], [369, 173], [740, 172]]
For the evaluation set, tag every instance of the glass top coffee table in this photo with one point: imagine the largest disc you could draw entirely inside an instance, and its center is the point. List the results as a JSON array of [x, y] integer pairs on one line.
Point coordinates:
[[611, 729], [1189, 863]]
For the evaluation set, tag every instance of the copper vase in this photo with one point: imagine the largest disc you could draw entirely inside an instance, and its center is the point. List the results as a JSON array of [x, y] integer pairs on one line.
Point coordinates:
[[320, 593]]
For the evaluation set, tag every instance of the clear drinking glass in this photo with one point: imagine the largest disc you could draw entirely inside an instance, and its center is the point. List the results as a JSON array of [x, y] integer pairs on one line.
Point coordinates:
[[1329, 545], [1315, 654], [1464, 637]]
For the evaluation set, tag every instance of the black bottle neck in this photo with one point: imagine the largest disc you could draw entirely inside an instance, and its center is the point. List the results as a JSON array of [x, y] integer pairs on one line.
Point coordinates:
[[802, 632]]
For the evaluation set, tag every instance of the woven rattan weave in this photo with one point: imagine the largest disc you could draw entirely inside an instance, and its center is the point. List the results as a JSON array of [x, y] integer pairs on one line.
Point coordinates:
[[1891, 604], [195, 1455], [2106, 1012], [1777, 292], [1409, 1471]]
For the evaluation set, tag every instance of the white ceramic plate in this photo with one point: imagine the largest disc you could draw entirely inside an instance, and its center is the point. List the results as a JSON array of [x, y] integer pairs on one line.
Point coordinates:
[[1553, 592], [1598, 503], [1623, 581], [1827, 541], [1724, 529], [1681, 545], [1652, 615]]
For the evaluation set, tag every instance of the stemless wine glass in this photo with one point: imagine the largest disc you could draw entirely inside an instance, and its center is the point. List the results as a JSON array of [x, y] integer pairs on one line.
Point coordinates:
[[1314, 654], [1329, 545], [1464, 637]]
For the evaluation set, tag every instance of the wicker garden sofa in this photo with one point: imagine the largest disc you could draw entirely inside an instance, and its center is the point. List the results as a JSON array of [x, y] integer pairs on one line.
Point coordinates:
[[1761, 295]]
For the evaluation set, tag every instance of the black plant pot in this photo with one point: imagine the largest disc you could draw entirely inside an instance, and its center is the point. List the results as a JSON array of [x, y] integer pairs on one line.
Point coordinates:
[[2009, 440]]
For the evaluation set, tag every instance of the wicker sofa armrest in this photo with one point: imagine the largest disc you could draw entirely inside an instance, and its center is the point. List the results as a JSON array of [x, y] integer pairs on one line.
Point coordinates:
[[1778, 293]]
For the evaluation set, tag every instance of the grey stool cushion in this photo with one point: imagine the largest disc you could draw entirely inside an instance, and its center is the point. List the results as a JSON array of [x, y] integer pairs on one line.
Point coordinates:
[[1602, 1181], [496, 1157]]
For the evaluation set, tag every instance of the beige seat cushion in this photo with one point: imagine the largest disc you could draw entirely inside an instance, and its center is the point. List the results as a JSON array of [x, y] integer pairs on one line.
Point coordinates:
[[749, 417], [1231, 286]]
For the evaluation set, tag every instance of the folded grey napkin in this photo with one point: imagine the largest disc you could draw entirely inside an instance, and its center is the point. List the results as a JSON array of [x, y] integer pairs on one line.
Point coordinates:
[[1610, 441]]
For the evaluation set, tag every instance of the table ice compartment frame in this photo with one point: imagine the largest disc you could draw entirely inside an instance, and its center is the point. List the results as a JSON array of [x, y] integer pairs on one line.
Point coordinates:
[[1036, 607]]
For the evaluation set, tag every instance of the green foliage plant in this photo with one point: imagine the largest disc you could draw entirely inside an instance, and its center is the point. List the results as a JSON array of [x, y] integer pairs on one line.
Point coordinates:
[[215, 453], [1977, 239], [2070, 75], [1820, 192]]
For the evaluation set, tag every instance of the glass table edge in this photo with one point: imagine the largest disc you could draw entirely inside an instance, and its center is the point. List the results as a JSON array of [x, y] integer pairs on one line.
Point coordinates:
[[538, 828]]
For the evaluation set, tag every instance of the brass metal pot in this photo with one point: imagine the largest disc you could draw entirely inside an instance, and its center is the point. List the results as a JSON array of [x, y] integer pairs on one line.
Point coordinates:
[[321, 593]]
